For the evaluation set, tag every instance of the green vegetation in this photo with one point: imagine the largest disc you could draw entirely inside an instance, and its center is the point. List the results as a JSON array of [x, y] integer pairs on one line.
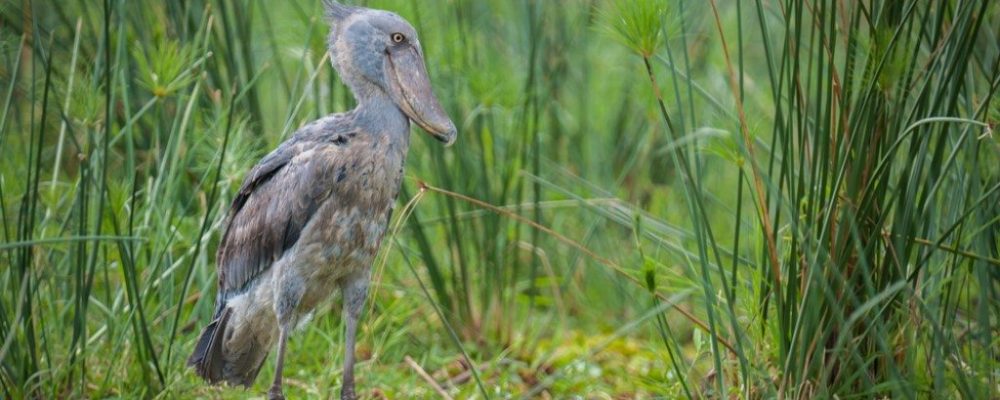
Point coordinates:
[[678, 199]]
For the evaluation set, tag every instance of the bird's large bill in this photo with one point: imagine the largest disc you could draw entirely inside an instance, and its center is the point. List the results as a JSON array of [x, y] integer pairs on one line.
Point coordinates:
[[412, 91]]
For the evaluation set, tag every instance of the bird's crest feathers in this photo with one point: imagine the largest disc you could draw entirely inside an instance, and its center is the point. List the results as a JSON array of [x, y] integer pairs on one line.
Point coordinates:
[[336, 12]]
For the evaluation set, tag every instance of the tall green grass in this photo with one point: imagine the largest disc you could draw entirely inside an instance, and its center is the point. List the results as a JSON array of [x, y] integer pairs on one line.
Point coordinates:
[[648, 198]]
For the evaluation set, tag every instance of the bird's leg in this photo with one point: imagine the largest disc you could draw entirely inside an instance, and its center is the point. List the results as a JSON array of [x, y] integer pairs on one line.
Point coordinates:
[[275, 393], [355, 288], [287, 295]]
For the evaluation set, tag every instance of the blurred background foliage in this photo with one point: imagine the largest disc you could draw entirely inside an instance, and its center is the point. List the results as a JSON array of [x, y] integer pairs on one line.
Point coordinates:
[[741, 199]]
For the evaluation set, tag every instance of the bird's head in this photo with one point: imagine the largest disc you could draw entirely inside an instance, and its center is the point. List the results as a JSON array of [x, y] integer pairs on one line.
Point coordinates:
[[375, 50]]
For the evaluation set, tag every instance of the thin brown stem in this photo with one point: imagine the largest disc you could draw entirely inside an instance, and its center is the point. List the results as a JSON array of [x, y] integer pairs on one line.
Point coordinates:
[[572, 243], [758, 182]]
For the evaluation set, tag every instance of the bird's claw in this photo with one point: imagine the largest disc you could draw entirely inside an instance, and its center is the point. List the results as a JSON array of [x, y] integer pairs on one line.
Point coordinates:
[[348, 395], [275, 394]]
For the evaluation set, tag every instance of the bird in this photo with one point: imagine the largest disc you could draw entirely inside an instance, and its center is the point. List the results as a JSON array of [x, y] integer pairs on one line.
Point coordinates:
[[310, 216]]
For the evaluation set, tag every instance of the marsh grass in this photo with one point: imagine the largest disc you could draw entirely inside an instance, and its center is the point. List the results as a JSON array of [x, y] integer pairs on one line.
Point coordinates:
[[649, 198]]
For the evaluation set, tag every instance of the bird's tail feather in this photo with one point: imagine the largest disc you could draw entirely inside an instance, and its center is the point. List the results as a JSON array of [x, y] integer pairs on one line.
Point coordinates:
[[208, 360], [237, 364]]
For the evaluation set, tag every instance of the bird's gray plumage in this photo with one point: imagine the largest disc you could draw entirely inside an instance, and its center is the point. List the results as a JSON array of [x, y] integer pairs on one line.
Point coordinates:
[[310, 216], [265, 225]]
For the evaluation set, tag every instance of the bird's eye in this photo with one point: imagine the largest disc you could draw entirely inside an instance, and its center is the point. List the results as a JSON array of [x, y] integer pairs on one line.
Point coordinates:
[[398, 37]]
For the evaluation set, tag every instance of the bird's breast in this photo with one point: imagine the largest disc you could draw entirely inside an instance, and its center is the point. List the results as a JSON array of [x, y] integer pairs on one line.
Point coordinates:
[[349, 227]]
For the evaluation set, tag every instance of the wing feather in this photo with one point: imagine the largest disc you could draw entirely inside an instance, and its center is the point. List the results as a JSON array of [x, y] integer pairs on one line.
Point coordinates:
[[275, 202]]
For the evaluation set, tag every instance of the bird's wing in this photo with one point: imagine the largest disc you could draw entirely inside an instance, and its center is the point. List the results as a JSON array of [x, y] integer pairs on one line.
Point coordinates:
[[277, 199]]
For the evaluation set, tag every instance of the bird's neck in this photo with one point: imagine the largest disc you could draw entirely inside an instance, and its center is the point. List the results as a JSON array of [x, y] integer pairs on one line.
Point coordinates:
[[379, 115]]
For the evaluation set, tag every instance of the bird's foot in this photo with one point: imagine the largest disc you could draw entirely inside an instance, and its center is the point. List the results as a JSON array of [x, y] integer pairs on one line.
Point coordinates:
[[275, 393], [347, 394]]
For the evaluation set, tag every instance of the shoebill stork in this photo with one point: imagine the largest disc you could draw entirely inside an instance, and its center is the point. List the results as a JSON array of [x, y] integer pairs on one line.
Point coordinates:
[[310, 216]]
